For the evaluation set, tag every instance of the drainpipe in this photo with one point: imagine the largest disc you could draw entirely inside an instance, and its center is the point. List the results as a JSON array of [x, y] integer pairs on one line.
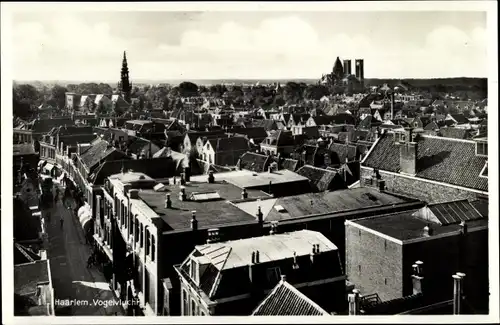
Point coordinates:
[[145, 242]]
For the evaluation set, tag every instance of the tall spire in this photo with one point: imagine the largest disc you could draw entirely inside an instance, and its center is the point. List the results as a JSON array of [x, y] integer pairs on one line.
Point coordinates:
[[338, 69], [125, 85]]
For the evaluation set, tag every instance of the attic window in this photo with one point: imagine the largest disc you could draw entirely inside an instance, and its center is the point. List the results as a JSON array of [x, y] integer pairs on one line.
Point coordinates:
[[205, 196], [482, 148], [280, 208]]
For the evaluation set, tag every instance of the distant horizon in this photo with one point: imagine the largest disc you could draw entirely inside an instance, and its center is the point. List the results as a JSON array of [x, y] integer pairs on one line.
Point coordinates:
[[180, 80]]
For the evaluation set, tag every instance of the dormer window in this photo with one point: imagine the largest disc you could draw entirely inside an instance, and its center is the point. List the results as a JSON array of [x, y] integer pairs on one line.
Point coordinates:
[[194, 271], [482, 148]]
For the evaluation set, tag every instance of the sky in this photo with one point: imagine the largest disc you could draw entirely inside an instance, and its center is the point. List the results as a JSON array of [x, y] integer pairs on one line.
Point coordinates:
[[83, 45]]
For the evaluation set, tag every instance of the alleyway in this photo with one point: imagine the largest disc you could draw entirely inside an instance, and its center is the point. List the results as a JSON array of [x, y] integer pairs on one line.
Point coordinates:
[[68, 254]]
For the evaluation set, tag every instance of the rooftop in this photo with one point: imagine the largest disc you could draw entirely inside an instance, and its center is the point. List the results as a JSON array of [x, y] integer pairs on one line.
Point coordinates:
[[285, 300], [235, 253], [439, 159], [298, 206], [27, 276], [405, 226], [23, 149], [248, 179], [210, 201]]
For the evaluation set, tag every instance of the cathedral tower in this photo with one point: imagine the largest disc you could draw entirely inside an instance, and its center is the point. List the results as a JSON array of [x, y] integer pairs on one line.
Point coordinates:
[[125, 86]]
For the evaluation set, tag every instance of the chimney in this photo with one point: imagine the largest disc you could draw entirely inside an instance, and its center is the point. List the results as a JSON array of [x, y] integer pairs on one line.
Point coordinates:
[[315, 250], [251, 267], [417, 277], [168, 201], [274, 228], [295, 264], [381, 185], [194, 222], [283, 278], [458, 291], [43, 254], [392, 106], [244, 194], [408, 154], [213, 235], [187, 175], [133, 194], [260, 215], [183, 179], [354, 302], [211, 178], [182, 194], [428, 231]]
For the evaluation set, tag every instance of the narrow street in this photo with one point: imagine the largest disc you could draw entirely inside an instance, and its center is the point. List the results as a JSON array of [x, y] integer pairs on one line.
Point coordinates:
[[85, 287]]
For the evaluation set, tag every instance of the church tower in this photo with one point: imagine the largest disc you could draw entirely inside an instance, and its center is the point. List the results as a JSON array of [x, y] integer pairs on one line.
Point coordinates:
[[125, 86], [338, 69]]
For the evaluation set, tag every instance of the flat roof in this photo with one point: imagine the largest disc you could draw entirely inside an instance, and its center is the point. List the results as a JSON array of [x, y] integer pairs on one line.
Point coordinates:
[[291, 207], [236, 253], [209, 213], [249, 179], [404, 226]]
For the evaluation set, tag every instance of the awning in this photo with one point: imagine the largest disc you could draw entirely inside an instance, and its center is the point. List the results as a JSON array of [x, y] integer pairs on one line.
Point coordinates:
[[85, 221]]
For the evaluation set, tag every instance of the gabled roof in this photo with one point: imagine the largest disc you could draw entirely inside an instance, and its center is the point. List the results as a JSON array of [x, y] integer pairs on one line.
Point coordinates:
[[368, 122], [98, 152], [459, 118], [267, 124], [27, 276], [319, 178], [254, 162], [342, 152], [439, 159], [285, 300], [455, 133], [23, 254], [432, 126], [289, 164], [282, 138], [229, 144]]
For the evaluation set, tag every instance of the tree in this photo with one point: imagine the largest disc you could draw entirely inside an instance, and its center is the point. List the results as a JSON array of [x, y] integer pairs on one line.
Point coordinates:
[[316, 92], [24, 99], [188, 89], [101, 109], [293, 92], [58, 95]]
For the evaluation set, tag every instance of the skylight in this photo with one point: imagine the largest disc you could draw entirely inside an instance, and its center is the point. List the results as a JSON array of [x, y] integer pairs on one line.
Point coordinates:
[[280, 208], [205, 196]]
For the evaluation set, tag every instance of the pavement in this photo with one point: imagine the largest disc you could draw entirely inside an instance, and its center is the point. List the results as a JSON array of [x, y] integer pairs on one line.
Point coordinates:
[[78, 290]]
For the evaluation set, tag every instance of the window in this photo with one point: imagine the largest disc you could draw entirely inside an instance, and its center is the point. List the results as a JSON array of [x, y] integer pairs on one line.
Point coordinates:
[[153, 248], [141, 237], [137, 230], [194, 308], [359, 269], [185, 306], [148, 243], [385, 244], [385, 281]]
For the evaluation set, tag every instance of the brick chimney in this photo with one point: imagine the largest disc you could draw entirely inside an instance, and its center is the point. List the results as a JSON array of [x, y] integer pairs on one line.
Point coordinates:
[[194, 222], [458, 290], [168, 201], [408, 151], [182, 194], [213, 235], [354, 299], [260, 215], [211, 178], [417, 277], [244, 194], [274, 228], [315, 251]]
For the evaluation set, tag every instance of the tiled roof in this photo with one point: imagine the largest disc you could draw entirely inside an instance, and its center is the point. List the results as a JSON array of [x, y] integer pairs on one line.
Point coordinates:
[[28, 275], [258, 133], [23, 254], [459, 118], [439, 159], [229, 144], [285, 300], [368, 122], [282, 138], [156, 167], [319, 178], [289, 164], [432, 126], [481, 206], [455, 133], [254, 162], [342, 152], [98, 152], [45, 125], [267, 124]]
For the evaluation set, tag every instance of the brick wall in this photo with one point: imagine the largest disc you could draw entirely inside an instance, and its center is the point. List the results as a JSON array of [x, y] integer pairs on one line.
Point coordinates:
[[443, 257], [373, 264], [419, 189]]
